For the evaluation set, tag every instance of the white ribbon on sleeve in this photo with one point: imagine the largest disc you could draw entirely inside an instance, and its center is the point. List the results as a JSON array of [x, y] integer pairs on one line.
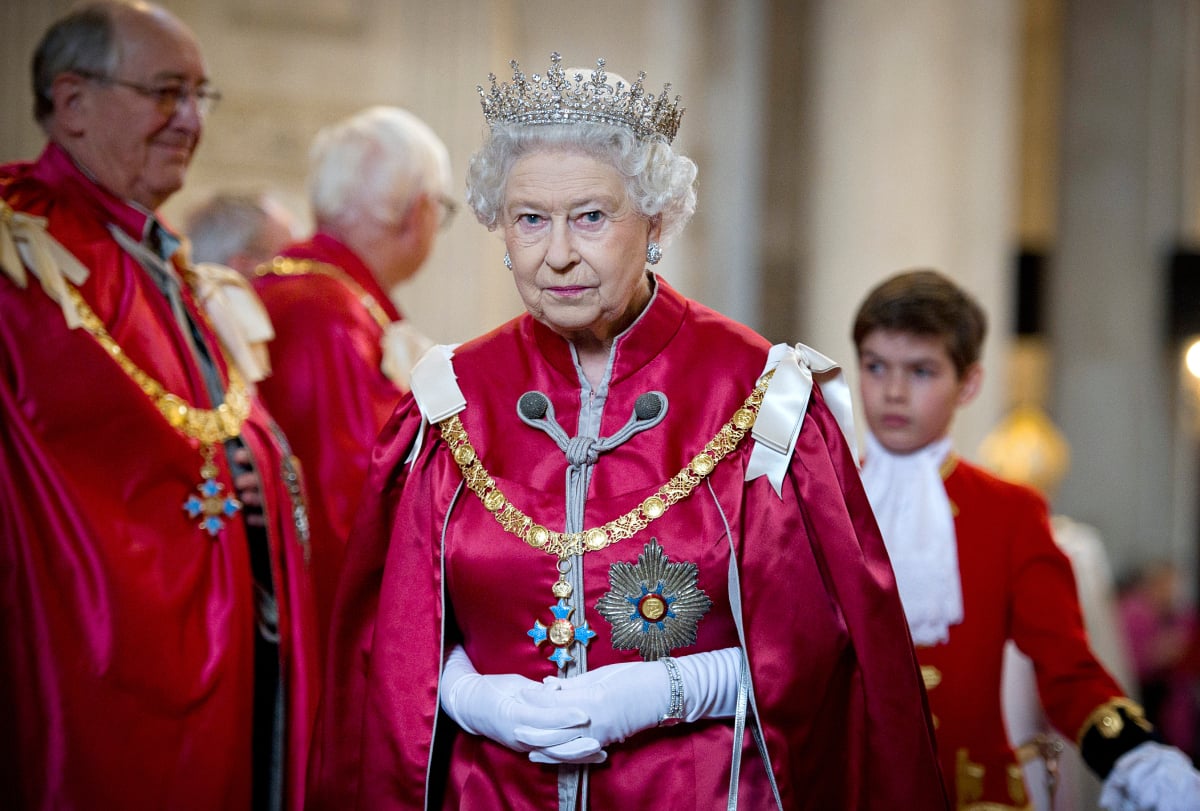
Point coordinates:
[[26, 244], [783, 407], [238, 317], [403, 345], [435, 388]]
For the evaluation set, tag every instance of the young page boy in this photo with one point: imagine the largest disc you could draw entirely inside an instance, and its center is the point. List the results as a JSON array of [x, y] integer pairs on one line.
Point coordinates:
[[976, 565]]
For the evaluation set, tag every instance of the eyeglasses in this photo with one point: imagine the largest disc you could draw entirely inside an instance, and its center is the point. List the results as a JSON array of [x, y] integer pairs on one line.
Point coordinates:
[[449, 209], [169, 98]]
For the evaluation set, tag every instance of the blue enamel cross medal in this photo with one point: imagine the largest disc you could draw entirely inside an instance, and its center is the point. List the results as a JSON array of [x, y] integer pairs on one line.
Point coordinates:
[[654, 605], [561, 633], [210, 506]]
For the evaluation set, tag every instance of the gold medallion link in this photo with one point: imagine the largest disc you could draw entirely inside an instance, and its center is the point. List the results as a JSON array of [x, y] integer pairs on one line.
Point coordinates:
[[209, 426], [564, 545], [282, 266]]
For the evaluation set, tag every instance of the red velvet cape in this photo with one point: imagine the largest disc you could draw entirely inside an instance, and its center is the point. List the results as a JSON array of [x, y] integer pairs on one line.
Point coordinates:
[[127, 639], [837, 685]]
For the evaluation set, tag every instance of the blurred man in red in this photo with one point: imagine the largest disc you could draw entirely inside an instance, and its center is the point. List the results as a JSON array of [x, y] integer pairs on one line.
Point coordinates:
[[342, 351], [158, 642]]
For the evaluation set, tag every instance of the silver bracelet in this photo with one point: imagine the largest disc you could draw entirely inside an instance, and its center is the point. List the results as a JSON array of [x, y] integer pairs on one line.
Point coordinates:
[[674, 713]]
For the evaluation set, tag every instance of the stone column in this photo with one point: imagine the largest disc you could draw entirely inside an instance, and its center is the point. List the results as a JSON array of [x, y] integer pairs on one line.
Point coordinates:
[[1121, 187], [912, 126]]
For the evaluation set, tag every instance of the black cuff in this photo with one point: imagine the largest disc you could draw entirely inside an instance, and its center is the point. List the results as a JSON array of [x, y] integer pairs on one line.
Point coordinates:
[[1113, 729]]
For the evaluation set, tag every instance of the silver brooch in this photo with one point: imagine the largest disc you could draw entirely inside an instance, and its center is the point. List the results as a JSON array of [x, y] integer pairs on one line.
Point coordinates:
[[653, 605]]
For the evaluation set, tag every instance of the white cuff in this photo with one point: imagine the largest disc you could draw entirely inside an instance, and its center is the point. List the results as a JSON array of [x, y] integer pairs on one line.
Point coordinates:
[[1152, 777]]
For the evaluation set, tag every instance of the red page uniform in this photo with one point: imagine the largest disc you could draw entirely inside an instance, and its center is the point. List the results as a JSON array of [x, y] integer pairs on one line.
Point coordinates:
[[1016, 584]]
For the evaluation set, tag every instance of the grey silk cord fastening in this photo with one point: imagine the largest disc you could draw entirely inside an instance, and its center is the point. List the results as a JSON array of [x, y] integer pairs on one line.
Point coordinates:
[[582, 452]]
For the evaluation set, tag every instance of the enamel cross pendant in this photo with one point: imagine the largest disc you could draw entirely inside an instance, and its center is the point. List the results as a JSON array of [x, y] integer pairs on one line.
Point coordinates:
[[210, 506], [561, 633]]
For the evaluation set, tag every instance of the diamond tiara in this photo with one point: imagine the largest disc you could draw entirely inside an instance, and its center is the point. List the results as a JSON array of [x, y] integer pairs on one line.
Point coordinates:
[[557, 99]]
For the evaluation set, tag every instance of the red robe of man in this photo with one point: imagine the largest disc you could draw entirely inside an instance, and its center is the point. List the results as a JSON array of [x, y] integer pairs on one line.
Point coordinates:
[[327, 389], [799, 580], [1016, 584], [128, 677]]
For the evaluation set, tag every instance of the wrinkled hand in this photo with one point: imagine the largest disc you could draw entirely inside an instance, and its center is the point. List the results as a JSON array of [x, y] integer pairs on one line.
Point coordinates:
[[618, 700], [495, 706], [1152, 777]]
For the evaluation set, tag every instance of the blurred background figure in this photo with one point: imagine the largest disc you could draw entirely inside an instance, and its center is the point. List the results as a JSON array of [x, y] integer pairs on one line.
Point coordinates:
[[378, 188], [1160, 628], [1026, 447], [978, 567], [241, 230], [158, 649]]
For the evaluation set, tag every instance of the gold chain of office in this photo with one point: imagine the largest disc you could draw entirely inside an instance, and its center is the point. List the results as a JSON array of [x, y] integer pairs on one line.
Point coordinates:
[[283, 266], [209, 426], [566, 544]]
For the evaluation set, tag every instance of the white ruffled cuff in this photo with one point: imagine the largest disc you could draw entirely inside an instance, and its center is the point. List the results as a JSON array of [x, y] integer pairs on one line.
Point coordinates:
[[1152, 777]]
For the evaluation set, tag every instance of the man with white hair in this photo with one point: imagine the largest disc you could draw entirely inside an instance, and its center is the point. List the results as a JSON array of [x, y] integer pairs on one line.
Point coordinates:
[[342, 353]]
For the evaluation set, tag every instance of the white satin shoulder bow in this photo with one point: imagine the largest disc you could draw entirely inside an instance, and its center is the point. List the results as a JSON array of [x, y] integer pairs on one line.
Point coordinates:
[[797, 369], [237, 315], [26, 245], [403, 345], [436, 390]]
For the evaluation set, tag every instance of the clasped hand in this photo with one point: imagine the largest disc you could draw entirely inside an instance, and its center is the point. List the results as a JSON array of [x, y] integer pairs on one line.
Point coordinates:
[[557, 720]]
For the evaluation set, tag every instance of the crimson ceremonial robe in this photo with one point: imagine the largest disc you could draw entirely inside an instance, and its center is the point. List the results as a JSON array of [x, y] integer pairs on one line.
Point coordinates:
[[127, 678], [837, 690], [327, 391], [1016, 584]]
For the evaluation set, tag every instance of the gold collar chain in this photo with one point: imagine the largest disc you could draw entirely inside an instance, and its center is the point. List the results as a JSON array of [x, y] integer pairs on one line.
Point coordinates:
[[209, 504], [563, 544], [282, 266], [209, 426]]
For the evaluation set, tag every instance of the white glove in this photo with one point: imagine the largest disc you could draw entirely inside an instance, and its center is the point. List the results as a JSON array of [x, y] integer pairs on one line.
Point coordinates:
[[623, 699], [1152, 777], [494, 706], [710, 683]]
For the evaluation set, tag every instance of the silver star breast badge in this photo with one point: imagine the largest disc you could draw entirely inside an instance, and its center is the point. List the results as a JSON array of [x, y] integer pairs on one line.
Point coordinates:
[[654, 605]]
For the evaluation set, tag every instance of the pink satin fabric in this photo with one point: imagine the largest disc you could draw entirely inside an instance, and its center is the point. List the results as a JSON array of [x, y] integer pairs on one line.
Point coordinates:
[[328, 392], [127, 639], [837, 686]]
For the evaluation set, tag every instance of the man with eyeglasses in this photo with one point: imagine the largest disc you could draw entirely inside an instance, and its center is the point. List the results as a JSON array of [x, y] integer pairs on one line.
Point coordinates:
[[158, 643], [378, 188]]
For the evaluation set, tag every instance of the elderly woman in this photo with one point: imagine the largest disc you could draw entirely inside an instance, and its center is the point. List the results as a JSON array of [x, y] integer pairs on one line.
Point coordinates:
[[621, 540]]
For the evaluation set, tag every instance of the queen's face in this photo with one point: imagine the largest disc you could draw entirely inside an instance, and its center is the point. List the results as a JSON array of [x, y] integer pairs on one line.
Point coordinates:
[[578, 247]]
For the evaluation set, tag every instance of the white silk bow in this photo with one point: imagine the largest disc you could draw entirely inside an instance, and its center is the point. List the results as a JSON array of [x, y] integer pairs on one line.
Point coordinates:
[[797, 369], [238, 317], [403, 345], [26, 244], [435, 388]]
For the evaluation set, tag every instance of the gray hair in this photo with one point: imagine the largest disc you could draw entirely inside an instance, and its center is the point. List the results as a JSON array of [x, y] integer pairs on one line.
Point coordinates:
[[659, 181], [374, 164], [226, 225], [85, 41]]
